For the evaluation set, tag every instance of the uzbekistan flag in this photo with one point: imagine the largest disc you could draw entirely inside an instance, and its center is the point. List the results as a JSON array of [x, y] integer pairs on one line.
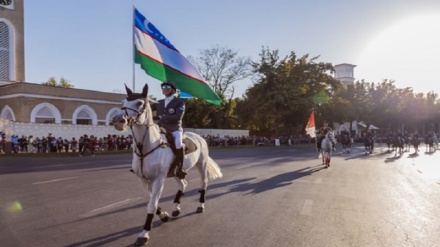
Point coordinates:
[[310, 127], [161, 60]]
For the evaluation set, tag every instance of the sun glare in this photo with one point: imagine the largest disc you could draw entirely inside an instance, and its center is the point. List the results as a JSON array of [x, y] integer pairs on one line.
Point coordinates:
[[408, 53]]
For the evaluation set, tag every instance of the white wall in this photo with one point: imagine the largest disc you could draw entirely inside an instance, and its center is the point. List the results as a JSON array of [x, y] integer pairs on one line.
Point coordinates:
[[220, 132], [68, 131]]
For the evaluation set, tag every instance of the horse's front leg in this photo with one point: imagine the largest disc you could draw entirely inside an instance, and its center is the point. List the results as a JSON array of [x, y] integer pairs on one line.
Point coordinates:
[[328, 158], [204, 185], [182, 186], [152, 208]]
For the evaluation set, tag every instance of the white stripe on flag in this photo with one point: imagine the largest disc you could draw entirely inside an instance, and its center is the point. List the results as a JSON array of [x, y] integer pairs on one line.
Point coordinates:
[[161, 53]]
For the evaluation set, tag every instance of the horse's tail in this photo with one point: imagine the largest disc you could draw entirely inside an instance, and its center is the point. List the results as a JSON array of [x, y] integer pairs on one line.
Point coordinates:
[[213, 169]]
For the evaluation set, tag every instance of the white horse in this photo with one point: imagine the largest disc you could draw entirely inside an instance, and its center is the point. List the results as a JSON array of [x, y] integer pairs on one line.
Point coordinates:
[[153, 157], [327, 148]]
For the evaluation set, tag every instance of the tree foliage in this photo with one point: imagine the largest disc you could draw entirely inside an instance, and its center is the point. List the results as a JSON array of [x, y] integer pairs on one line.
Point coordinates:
[[52, 81], [285, 91]]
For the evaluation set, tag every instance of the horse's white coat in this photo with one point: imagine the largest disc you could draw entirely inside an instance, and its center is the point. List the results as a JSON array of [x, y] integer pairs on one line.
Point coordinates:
[[151, 160], [327, 147]]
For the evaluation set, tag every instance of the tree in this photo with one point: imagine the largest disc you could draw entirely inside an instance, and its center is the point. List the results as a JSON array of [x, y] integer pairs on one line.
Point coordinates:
[[52, 81], [285, 92], [65, 83], [221, 68]]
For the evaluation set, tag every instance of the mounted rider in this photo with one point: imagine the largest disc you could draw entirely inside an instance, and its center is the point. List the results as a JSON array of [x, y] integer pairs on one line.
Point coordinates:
[[345, 140], [169, 115], [370, 136], [415, 141], [345, 134], [320, 134]]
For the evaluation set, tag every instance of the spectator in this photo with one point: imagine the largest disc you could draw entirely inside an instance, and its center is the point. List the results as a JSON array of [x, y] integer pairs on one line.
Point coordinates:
[[87, 142], [73, 144], [60, 144], [66, 145], [14, 142]]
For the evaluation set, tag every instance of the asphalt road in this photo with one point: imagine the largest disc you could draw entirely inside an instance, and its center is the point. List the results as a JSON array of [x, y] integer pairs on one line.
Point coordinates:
[[269, 196]]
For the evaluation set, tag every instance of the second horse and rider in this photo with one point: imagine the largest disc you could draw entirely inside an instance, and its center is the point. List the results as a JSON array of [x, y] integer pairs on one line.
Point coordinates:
[[320, 134]]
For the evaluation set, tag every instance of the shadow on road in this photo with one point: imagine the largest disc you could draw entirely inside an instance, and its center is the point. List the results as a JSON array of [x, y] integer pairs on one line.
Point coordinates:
[[107, 239], [392, 159], [274, 182]]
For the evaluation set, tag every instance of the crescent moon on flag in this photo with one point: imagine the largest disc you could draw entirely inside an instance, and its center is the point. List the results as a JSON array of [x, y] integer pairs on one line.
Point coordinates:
[[146, 22]]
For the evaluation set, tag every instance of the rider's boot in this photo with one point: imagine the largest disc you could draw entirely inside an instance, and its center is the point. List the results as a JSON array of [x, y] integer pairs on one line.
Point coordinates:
[[333, 145], [180, 172]]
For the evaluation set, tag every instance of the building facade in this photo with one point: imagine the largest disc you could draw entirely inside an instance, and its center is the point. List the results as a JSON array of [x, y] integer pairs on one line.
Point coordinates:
[[12, 63], [35, 109]]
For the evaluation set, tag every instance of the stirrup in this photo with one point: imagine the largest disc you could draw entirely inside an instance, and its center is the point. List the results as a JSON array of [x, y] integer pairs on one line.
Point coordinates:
[[181, 173]]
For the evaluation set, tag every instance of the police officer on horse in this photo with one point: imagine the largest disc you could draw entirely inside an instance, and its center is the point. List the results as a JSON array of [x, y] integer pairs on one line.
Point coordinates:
[[169, 115]]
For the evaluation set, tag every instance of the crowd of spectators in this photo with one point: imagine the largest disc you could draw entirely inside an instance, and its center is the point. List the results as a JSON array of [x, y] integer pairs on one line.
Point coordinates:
[[52, 144]]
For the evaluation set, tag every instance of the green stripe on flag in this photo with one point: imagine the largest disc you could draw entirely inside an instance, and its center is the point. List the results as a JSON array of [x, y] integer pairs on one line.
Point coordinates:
[[185, 83]]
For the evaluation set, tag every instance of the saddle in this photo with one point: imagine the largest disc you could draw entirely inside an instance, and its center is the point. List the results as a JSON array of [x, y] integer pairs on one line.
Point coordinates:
[[188, 145]]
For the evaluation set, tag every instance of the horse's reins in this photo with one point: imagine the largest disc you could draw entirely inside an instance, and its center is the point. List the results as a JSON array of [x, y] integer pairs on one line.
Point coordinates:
[[139, 146]]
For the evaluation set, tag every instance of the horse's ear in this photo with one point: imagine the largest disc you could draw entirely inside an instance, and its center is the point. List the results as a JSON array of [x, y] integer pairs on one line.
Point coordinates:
[[145, 91], [128, 90]]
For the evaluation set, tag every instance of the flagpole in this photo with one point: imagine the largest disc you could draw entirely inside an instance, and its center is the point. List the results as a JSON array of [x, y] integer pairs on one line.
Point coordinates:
[[132, 45]]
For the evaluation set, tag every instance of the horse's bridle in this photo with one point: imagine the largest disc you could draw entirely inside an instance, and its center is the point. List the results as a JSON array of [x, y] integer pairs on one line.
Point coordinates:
[[139, 145], [132, 120]]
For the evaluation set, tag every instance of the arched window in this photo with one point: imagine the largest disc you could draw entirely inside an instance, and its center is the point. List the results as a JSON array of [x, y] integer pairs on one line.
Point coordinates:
[[110, 115], [45, 113], [7, 113], [84, 115], [5, 51]]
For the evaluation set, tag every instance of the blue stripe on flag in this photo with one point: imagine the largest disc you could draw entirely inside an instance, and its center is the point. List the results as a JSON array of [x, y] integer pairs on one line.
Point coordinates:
[[147, 27]]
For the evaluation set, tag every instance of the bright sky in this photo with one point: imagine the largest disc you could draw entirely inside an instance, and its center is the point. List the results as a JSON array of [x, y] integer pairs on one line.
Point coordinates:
[[89, 43]]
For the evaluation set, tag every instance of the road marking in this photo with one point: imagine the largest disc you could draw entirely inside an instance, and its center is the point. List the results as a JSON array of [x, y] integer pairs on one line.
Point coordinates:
[[307, 207], [113, 205], [318, 180], [244, 166], [55, 180]]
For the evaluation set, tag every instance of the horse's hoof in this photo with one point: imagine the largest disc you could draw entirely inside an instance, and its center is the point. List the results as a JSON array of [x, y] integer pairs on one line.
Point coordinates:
[[141, 241], [200, 210], [165, 218], [175, 213]]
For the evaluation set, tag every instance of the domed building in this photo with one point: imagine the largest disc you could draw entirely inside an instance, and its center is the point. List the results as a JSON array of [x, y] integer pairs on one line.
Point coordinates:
[[35, 109]]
